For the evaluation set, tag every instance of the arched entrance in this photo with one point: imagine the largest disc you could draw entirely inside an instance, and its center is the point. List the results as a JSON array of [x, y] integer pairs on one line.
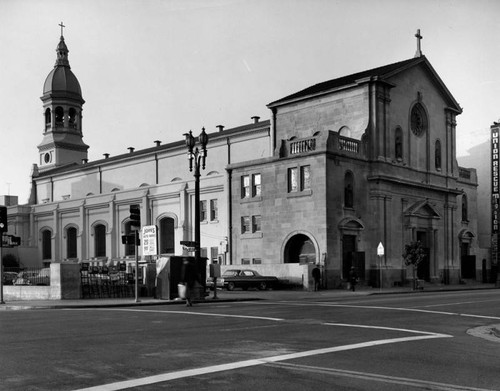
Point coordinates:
[[467, 261], [350, 230], [300, 249]]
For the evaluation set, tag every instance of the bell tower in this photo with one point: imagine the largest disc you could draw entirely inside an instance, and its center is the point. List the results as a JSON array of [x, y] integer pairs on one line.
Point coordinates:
[[62, 99]]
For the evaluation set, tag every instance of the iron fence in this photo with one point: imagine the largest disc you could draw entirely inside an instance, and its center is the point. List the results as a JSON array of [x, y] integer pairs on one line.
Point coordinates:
[[100, 282], [26, 276]]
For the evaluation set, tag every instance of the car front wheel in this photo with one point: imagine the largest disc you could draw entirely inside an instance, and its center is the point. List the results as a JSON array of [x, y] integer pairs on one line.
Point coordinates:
[[230, 286], [263, 286]]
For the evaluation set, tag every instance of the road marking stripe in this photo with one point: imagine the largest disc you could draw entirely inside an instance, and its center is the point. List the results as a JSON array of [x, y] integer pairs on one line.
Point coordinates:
[[184, 313], [322, 304], [380, 378], [436, 335], [262, 361], [243, 364], [459, 303]]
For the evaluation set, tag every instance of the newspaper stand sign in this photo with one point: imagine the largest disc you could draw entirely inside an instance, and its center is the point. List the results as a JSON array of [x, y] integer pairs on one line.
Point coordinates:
[[149, 240]]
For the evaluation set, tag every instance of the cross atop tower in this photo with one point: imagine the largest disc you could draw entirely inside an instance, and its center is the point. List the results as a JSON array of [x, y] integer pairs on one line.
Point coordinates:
[[418, 53], [62, 26]]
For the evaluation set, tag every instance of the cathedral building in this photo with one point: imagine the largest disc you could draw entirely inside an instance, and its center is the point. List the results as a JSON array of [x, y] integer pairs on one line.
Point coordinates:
[[362, 162], [342, 168]]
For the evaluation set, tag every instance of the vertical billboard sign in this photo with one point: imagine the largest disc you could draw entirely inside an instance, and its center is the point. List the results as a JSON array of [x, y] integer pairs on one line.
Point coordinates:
[[495, 192]]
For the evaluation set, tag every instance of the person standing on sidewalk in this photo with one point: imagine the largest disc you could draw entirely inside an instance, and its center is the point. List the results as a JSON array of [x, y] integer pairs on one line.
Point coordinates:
[[189, 280], [316, 275], [353, 278]]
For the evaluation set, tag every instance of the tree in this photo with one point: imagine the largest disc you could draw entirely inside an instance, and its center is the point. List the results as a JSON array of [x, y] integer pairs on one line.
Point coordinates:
[[413, 255]]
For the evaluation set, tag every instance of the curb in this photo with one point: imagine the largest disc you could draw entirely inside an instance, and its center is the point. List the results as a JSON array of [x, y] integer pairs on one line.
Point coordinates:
[[16, 307]]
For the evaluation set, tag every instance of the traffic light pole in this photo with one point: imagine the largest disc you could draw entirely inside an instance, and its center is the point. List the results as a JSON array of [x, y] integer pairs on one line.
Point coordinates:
[[136, 245], [198, 157], [1, 270], [197, 214]]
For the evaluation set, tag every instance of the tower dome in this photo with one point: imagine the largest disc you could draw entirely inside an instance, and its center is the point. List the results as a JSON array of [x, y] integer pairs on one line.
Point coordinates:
[[61, 80], [62, 142]]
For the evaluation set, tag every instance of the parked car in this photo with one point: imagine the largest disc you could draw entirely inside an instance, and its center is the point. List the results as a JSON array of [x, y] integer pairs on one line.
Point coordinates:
[[243, 278], [38, 277], [9, 277]]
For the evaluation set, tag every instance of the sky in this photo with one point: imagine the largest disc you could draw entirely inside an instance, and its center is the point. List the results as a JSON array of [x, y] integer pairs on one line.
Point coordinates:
[[155, 69]]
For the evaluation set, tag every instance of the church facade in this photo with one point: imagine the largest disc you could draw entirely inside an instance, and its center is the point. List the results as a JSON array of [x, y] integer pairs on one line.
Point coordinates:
[[361, 163], [341, 168]]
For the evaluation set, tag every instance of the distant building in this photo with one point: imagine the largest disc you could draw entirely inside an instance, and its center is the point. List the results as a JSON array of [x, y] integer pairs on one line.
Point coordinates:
[[341, 166], [485, 158]]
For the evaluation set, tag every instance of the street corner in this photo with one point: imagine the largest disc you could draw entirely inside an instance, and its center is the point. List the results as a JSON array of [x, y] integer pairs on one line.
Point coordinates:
[[490, 333]]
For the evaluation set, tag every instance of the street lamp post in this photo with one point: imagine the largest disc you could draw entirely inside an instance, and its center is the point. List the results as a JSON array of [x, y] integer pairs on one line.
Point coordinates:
[[197, 158]]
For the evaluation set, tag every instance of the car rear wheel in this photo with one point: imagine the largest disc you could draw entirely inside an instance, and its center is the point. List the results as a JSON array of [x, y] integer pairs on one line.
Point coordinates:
[[262, 286], [230, 286]]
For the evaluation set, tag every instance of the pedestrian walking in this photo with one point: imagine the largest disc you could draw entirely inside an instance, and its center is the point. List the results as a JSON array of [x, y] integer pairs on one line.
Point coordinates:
[[316, 274], [353, 278], [189, 280]]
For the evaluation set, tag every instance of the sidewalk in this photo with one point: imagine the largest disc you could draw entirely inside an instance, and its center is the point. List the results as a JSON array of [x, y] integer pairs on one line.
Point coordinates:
[[235, 296]]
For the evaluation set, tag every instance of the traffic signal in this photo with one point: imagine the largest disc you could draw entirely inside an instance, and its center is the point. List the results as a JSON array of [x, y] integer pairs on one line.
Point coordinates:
[[131, 239], [135, 216], [3, 219]]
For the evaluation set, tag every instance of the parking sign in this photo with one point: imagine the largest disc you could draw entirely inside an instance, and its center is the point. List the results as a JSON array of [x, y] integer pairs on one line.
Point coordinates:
[[149, 240]]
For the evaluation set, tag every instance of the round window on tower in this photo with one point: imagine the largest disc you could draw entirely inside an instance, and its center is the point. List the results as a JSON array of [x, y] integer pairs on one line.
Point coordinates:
[[47, 158]]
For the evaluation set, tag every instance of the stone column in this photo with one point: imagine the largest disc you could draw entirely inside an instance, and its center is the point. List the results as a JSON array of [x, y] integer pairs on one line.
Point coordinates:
[[65, 281]]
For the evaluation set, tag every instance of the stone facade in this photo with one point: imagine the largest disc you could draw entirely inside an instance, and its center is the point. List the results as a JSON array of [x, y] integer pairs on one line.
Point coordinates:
[[373, 159]]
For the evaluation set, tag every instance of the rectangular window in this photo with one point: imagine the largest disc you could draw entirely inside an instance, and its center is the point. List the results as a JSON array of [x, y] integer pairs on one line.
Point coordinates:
[[292, 180], [305, 177], [245, 261], [256, 185], [256, 223], [203, 210], [245, 224], [245, 186], [256, 261], [214, 210]]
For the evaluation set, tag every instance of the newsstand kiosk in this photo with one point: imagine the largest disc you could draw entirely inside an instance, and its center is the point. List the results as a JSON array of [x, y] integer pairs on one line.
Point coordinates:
[[169, 275]]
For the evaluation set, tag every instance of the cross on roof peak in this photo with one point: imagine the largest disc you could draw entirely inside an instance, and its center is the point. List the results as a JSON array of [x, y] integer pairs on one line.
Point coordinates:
[[418, 53], [62, 26]]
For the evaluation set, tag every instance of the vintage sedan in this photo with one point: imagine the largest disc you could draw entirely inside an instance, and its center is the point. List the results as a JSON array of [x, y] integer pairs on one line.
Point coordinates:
[[9, 277], [33, 277], [243, 278]]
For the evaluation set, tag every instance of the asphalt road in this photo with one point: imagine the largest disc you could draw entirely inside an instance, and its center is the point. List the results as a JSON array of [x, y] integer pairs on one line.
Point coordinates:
[[384, 342]]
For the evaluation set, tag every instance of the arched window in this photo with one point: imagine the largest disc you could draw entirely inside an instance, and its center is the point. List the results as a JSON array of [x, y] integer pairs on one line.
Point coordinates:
[[348, 190], [47, 245], [48, 120], [167, 235], [465, 212], [398, 144], [71, 248], [437, 155], [99, 240], [418, 120], [72, 117], [129, 248], [59, 115]]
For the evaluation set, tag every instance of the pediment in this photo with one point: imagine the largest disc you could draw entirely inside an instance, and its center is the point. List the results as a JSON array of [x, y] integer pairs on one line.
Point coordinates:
[[351, 224], [465, 234], [422, 209]]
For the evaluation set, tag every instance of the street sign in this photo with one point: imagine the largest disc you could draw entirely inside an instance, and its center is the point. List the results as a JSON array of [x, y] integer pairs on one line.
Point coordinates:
[[149, 240], [380, 249], [188, 243]]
